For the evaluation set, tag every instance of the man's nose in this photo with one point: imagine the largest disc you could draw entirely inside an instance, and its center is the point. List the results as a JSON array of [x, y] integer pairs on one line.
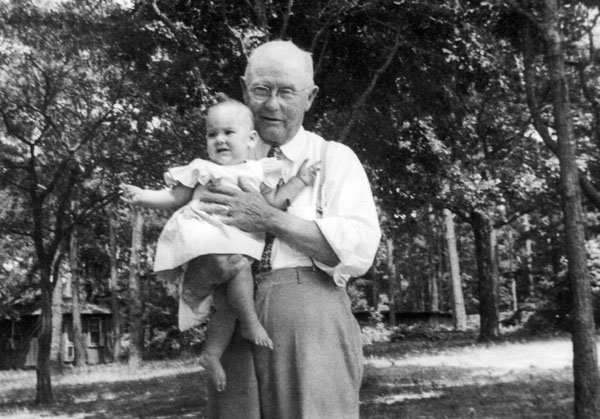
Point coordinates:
[[272, 102]]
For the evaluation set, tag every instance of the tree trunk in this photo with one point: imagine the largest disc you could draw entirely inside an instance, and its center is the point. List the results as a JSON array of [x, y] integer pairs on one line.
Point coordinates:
[[372, 274], [433, 302], [585, 361], [391, 271], [57, 324], [44, 381], [528, 257], [78, 343], [136, 332], [511, 268], [458, 302], [488, 284], [114, 286]]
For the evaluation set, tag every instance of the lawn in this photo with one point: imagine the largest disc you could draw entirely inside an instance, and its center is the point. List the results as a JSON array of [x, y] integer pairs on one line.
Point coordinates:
[[408, 379]]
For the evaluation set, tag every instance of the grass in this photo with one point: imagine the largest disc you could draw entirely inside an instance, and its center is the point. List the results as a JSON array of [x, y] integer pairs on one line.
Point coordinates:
[[408, 379], [506, 380]]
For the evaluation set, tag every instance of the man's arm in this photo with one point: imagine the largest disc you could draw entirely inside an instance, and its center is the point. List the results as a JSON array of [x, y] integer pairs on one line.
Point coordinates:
[[343, 242], [249, 211]]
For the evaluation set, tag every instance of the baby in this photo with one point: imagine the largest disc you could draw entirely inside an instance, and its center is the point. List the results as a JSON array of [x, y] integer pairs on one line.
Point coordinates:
[[198, 249]]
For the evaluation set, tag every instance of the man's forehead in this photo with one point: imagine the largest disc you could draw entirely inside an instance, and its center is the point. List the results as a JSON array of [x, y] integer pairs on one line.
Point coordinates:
[[277, 69], [280, 59]]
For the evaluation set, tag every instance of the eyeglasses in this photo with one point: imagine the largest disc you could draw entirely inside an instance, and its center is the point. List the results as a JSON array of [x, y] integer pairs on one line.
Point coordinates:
[[262, 93]]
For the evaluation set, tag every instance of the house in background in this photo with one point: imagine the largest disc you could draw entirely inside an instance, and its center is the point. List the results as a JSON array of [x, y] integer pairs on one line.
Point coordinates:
[[18, 338]]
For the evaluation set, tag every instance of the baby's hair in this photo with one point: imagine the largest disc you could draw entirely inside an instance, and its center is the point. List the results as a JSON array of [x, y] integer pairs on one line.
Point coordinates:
[[222, 99]]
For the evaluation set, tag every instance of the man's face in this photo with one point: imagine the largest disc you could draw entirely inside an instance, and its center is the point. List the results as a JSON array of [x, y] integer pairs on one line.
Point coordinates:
[[278, 116], [229, 136]]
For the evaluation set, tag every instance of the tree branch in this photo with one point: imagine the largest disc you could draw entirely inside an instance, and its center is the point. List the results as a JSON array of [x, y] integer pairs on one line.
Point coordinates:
[[286, 19], [589, 96], [541, 127], [525, 13], [531, 96], [365, 95]]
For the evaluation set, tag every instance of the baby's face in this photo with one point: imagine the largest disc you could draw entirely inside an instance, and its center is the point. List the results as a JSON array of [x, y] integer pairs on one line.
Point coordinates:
[[229, 136]]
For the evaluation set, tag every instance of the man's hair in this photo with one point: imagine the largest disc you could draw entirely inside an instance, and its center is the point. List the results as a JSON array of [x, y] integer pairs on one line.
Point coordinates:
[[224, 100], [283, 50]]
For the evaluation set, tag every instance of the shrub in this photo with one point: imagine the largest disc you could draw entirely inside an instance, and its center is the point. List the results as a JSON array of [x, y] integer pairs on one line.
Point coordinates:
[[377, 333]]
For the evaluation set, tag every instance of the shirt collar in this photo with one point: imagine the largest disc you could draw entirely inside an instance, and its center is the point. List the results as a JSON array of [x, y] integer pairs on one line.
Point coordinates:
[[293, 149]]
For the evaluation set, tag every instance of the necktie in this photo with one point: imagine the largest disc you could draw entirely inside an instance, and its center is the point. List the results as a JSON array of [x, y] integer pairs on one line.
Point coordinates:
[[264, 265]]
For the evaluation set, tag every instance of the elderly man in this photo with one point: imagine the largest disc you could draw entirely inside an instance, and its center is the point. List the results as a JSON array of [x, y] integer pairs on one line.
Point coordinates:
[[329, 233]]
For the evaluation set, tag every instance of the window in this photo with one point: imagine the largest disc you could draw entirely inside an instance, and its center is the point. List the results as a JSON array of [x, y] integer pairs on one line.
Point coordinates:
[[69, 351], [96, 337]]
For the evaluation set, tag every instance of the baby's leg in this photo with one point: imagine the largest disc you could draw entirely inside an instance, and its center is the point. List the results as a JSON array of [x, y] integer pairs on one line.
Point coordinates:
[[240, 292], [218, 334]]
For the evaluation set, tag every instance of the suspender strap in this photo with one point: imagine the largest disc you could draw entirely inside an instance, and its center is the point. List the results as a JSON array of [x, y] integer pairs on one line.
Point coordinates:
[[319, 203]]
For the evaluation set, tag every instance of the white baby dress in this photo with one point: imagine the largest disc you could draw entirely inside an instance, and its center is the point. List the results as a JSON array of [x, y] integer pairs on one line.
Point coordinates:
[[191, 232]]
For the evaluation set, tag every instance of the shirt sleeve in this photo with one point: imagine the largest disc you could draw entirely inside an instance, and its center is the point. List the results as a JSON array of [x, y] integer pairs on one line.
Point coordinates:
[[198, 171], [349, 222]]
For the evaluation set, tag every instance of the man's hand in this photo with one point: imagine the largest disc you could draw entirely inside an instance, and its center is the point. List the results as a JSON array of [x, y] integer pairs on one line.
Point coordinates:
[[246, 209]]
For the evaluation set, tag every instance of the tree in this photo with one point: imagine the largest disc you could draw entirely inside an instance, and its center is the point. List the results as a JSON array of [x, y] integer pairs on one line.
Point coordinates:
[[545, 22], [79, 347], [585, 359], [136, 331], [458, 303], [60, 107], [392, 278], [113, 284]]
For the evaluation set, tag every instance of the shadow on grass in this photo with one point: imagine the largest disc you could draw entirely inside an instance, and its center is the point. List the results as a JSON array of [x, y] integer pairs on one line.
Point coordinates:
[[178, 396], [535, 399], [412, 381]]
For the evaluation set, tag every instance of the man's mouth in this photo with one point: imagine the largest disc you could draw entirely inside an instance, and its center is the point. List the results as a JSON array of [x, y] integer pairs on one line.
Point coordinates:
[[270, 120]]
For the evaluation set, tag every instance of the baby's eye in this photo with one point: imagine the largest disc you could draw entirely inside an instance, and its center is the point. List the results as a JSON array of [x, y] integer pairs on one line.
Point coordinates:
[[229, 132]]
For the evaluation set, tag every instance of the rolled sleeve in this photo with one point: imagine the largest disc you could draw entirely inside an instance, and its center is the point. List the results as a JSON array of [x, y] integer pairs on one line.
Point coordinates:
[[349, 223]]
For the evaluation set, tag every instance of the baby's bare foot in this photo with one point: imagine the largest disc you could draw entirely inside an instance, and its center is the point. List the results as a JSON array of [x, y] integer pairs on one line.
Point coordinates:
[[256, 334], [212, 364]]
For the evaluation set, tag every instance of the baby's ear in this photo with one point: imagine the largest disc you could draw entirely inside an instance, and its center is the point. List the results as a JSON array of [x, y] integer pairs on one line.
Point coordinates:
[[253, 139]]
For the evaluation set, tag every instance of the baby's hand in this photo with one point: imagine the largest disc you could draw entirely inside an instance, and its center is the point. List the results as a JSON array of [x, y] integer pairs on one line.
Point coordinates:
[[130, 193], [307, 174]]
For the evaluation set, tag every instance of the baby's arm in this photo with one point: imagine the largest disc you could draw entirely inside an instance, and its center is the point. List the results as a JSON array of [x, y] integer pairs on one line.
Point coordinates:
[[282, 196], [163, 199]]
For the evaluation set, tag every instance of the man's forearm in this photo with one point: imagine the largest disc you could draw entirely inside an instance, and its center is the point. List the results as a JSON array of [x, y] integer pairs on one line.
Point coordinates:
[[303, 235]]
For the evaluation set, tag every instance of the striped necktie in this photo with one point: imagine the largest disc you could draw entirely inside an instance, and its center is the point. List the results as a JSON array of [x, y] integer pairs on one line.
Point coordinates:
[[264, 265]]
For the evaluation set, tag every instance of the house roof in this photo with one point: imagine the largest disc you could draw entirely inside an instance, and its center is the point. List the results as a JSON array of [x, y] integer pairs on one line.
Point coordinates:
[[84, 308]]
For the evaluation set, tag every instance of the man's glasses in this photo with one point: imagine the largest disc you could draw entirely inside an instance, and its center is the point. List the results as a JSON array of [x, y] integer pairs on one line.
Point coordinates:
[[286, 94]]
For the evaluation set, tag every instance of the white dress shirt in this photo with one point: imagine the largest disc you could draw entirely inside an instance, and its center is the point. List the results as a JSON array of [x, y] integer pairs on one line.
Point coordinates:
[[349, 221]]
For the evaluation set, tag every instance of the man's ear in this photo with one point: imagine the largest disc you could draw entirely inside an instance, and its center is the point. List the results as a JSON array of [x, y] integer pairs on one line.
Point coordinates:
[[311, 97], [244, 89]]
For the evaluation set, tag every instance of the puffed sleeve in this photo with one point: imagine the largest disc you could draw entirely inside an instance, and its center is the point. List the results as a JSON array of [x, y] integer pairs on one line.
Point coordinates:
[[198, 171], [349, 222]]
